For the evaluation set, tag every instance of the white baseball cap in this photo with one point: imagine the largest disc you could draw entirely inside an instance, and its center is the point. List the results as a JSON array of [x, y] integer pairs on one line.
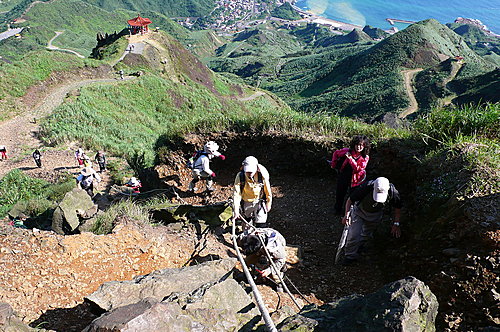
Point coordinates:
[[380, 189], [250, 164]]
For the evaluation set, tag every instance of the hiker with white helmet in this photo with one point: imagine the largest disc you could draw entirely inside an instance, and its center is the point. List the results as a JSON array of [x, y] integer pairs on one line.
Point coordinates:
[[79, 156], [252, 186], [86, 180], [200, 165], [135, 184], [368, 201]]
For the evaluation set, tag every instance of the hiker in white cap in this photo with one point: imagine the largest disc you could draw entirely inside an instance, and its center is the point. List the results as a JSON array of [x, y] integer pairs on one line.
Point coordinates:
[[368, 202], [252, 186], [86, 180], [200, 165]]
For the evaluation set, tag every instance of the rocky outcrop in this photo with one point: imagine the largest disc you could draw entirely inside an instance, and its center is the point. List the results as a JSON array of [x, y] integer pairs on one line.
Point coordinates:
[[9, 322], [160, 284], [75, 205], [404, 305], [221, 307]]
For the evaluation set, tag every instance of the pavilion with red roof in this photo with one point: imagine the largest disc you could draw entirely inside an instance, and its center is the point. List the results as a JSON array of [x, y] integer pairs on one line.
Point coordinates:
[[139, 25]]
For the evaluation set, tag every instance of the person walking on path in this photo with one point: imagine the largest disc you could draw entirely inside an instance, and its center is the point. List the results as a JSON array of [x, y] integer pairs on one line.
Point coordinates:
[[100, 158], [120, 72], [135, 184], [252, 186], [351, 164], [37, 157], [368, 201], [86, 180], [3, 152], [79, 156], [253, 243], [201, 166]]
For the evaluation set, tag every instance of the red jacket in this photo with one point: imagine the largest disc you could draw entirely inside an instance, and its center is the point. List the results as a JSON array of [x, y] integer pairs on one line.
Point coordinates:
[[358, 165]]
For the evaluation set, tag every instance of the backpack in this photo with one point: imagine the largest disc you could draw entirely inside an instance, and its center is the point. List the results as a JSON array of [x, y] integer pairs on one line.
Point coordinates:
[[192, 161], [86, 181], [260, 179]]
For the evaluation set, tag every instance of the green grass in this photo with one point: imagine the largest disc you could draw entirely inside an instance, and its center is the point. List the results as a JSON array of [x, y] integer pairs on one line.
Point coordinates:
[[105, 222]]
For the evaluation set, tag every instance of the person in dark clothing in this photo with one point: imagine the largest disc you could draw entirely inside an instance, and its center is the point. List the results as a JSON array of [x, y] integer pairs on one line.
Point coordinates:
[[368, 201], [37, 156], [100, 158], [351, 165]]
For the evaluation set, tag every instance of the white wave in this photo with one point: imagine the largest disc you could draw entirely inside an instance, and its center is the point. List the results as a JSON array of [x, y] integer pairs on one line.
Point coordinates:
[[346, 11]]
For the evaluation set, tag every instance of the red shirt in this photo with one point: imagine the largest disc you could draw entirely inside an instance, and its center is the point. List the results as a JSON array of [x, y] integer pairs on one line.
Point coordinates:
[[358, 165]]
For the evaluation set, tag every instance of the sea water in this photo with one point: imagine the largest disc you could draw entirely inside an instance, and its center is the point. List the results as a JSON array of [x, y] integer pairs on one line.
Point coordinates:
[[375, 12]]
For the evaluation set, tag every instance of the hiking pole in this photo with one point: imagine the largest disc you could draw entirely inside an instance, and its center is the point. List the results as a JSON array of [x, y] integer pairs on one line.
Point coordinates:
[[343, 238], [258, 298], [273, 266]]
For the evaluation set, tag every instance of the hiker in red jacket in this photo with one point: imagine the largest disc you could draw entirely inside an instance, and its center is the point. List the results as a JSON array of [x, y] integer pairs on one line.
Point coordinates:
[[3, 151], [351, 165]]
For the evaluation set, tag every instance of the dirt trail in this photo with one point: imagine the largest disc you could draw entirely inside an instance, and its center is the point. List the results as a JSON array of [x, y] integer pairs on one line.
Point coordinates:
[[19, 134], [55, 48], [408, 81]]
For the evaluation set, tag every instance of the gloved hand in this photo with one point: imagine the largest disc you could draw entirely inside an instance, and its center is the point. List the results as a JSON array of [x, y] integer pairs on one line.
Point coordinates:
[[213, 174], [223, 157]]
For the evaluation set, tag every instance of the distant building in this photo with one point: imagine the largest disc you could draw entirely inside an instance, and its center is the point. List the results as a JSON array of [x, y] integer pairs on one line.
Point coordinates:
[[138, 25]]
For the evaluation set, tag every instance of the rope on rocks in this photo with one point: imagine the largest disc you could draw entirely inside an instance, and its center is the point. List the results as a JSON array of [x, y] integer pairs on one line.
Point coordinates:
[[258, 298]]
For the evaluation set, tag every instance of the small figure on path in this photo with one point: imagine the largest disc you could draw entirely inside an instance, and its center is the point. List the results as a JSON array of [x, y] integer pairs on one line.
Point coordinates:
[[254, 245], [37, 157], [351, 165], [79, 156], [121, 74], [200, 165], [100, 158], [86, 161], [3, 152], [86, 180], [369, 200], [135, 184], [252, 186]]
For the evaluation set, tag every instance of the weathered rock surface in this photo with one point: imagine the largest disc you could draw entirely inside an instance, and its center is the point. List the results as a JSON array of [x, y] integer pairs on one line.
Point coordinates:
[[404, 305], [160, 284], [213, 215], [224, 306], [9, 321], [66, 216]]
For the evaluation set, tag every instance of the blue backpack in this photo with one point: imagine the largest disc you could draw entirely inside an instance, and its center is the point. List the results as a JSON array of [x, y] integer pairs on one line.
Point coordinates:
[[191, 161]]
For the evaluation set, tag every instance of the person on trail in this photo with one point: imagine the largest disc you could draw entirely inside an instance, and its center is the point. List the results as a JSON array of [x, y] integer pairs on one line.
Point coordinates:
[[3, 152], [351, 165], [86, 161], [254, 244], [100, 158], [120, 72], [86, 180], [368, 201], [79, 156], [201, 166], [37, 157], [135, 184], [252, 186]]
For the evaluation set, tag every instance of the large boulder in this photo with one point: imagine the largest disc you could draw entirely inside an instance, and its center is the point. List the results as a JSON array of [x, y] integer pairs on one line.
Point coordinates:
[[211, 215], [160, 284], [224, 306], [76, 204], [404, 305]]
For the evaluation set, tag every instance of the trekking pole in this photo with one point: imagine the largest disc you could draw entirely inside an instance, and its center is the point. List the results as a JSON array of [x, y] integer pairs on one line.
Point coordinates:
[[258, 298], [273, 266], [343, 237]]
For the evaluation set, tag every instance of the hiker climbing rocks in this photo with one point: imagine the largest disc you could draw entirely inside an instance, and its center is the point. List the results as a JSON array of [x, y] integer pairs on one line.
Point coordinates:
[[37, 157], [252, 244], [252, 186], [79, 156], [3, 152], [135, 184], [200, 165], [369, 200], [100, 158], [351, 164], [86, 180]]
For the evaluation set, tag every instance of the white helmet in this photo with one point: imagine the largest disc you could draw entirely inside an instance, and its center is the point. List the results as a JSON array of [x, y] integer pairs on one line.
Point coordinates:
[[211, 147]]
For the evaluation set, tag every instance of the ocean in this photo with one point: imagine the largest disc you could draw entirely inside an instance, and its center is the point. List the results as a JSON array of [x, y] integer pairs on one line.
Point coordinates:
[[374, 12]]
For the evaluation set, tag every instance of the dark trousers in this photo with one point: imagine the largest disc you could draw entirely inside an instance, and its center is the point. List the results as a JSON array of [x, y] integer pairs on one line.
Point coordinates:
[[343, 184], [102, 166], [38, 162]]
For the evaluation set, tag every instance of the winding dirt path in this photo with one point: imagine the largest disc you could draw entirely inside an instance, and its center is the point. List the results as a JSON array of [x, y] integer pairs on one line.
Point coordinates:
[[19, 134], [55, 48], [408, 76]]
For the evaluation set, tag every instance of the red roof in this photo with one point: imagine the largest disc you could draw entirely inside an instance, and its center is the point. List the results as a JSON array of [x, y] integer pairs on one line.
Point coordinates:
[[139, 21]]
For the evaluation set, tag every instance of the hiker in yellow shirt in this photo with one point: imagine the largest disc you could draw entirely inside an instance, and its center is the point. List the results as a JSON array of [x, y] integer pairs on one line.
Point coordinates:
[[252, 186]]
